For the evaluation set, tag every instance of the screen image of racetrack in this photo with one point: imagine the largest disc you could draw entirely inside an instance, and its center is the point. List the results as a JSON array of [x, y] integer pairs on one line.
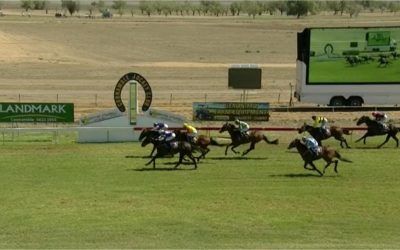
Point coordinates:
[[354, 55]]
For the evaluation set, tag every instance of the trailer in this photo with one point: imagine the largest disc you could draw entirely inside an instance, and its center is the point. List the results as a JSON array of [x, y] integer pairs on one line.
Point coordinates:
[[348, 66]]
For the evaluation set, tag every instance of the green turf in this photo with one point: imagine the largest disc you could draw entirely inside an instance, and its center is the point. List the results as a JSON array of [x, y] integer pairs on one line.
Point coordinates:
[[70, 195], [340, 71]]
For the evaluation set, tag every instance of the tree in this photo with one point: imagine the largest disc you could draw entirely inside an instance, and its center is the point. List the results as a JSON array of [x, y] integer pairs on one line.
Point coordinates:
[[146, 7], [393, 7], [353, 8], [27, 5], [101, 6], [281, 6], [119, 6], [333, 6], [70, 5], [299, 8], [92, 8], [252, 8], [234, 8]]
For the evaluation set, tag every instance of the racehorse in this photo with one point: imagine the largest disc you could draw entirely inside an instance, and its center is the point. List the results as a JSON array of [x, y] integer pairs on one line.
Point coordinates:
[[202, 142], [148, 135], [237, 138], [182, 147], [328, 154], [374, 129], [318, 135]]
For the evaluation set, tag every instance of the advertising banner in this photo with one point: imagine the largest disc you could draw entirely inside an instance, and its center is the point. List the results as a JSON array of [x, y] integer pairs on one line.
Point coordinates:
[[229, 111], [37, 112]]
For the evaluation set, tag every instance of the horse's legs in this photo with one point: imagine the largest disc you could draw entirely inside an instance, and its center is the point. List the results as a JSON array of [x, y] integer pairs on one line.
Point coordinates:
[[396, 139], [305, 166], [345, 142], [152, 151], [342, 140], [153, 159], [233, 149], [193, 160], [204, 151], [252, 146], [363, 137], [335, 168], [386, 140], [316, 169], [226, 150], [181, 155], [326, 166]]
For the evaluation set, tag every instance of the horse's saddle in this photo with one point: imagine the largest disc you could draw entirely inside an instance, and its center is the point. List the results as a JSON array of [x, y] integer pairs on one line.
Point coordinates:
[[244, 136], [326, 133], [382, 127], [316, 151], [173, 145], [170, 145]]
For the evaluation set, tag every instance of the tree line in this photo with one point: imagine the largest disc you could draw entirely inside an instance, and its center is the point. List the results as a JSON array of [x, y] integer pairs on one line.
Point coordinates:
[[220, 8]]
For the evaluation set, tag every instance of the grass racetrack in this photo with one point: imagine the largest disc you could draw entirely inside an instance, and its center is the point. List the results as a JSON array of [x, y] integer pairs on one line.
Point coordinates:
[[102, 196], [365, 72]]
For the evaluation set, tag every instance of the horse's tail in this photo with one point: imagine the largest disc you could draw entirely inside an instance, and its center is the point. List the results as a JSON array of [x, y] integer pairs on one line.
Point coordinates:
[[341, 158], [215, 143], [347, 131], [276, 141]]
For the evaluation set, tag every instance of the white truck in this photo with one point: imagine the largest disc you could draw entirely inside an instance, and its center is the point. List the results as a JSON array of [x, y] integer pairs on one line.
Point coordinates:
[[338, 79]]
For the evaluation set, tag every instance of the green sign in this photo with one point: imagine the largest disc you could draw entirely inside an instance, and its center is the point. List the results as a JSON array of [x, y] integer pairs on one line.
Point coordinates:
[[36, 112], [133, 103], [229, 111]]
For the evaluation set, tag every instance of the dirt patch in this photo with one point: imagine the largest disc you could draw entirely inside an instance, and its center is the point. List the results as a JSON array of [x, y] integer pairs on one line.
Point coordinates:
[[184, 59]]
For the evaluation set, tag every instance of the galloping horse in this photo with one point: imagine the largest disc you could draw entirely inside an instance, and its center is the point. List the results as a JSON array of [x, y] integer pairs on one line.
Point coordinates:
[[328, 154], [375, 129], [148, 135], [182, 147], [202, 142], [335, 131], [237, 139]]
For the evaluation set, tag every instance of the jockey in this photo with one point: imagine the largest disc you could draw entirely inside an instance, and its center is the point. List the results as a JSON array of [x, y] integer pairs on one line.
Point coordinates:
[[191, 132], [311, 144], [380, 118], [242, 126], [320, 122], [166, 137], [160, 127]]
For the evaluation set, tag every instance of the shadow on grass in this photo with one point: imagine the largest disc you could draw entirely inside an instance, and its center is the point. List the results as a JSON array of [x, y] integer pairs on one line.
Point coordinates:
[[143, 156], [150, 168], [304, 175], [159, 169], [367, 147], [237, 158]]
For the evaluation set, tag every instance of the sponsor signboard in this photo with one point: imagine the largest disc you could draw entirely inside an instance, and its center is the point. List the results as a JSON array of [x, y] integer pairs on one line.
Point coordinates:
[[37, 112], [139, 79], [229, 111]]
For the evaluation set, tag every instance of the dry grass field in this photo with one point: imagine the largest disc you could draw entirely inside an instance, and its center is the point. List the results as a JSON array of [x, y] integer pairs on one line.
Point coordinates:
[[185, 59]]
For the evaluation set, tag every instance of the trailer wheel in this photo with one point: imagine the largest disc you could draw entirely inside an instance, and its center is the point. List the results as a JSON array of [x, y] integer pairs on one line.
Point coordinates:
[[355, 101], [337, 101]]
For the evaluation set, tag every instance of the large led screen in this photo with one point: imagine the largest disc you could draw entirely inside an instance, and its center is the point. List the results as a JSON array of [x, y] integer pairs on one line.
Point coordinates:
[[354, 55]]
